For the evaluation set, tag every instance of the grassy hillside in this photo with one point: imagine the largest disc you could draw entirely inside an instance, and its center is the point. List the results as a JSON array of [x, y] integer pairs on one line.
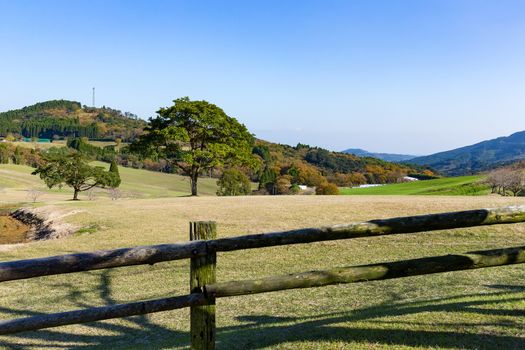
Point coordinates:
[[157, 184], [479, 309], [463, 186], [62, 143], [16, 179]]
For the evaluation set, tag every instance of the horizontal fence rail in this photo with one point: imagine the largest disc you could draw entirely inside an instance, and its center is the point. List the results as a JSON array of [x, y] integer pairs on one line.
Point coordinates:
[[382, 271], [389, 270], [22, 269], [61, 264], [100, 313], [407, 224]]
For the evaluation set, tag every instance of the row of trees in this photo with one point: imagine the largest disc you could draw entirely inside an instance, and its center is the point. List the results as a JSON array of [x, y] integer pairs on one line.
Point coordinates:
[[19, 155], [285, 178], [509, 181], [48, 127]]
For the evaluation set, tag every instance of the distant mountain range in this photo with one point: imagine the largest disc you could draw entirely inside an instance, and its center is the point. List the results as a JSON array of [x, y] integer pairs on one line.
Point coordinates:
[[478, 157], [389, 157]]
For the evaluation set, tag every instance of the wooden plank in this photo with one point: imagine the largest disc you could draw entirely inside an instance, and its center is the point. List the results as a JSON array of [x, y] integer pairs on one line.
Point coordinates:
[[397, 269], [22, 269], [202, 272], [409, 224], [100, 313]]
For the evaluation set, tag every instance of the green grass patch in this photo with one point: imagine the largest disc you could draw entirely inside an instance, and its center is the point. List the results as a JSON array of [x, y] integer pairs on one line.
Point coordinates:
[[88, 229], [62, 143], [448, 186], [136, 183], [145, 183]]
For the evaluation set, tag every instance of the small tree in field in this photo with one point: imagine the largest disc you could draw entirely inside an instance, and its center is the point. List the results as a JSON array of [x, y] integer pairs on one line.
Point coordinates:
[[233, 183], [196, 136], [113, 169], [34, 194], [91, 194], [74, 171], [114, 193]]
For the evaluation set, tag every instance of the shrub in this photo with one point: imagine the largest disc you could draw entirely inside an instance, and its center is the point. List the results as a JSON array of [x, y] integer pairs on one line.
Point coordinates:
[[233, 183], [113, 169], [327, 189], [295, 189], [283, 184]]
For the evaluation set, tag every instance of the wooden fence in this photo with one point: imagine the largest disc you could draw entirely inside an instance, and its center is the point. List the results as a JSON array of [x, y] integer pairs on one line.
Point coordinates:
[[204, 245]]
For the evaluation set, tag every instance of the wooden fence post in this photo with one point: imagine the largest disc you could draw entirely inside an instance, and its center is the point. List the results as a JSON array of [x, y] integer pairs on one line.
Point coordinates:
[[202, 272]]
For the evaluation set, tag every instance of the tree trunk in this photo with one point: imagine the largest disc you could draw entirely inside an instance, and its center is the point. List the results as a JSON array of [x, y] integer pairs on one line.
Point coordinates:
[[193, 180], [75, 195]]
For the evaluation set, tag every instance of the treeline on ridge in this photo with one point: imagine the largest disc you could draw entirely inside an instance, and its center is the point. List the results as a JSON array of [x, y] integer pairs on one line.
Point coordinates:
[[286, 167], [60, 119]]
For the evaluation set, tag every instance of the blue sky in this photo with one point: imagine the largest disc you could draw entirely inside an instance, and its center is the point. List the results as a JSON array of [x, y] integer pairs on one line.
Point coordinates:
[[393, 76]]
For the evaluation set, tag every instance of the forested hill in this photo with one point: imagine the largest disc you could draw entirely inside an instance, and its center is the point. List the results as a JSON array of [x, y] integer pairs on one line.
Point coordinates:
[[340, 168], [62, 118], [478, 157]]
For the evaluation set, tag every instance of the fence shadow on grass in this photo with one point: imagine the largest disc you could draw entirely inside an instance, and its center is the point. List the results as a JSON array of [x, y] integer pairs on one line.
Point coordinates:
[[262, 331], [137, 333]]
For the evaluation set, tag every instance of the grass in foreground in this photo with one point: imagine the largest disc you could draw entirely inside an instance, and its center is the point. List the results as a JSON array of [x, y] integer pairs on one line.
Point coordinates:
[[449, 186], [480, 309]]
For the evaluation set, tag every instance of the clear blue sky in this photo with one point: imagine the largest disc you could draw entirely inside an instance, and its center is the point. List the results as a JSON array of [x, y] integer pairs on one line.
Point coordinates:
[[395, 76]]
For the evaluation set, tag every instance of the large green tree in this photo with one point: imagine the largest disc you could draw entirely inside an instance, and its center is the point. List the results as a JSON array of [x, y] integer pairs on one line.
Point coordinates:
[[196, 136], [74, 171]]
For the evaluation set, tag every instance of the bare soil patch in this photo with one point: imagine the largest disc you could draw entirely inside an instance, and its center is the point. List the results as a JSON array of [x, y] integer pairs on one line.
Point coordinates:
[[45, 222], [12, 230]]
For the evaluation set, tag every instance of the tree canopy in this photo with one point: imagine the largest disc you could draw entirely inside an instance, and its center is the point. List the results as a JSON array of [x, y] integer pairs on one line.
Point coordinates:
[[196, 136], [74, 171]]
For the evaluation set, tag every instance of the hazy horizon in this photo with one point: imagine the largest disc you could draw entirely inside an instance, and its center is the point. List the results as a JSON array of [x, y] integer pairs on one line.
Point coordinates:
[[405, 77]]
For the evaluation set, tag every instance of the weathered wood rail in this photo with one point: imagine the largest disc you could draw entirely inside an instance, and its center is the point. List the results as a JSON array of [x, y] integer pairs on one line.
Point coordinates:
[[202, 251]]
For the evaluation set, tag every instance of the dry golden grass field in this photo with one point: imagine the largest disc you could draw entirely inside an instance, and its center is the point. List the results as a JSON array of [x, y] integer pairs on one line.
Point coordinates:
[[479, 309], [482, 309]]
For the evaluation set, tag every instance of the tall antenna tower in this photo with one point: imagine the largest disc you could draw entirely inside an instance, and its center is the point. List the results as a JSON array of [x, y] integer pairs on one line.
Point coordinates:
[[93, 97]]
